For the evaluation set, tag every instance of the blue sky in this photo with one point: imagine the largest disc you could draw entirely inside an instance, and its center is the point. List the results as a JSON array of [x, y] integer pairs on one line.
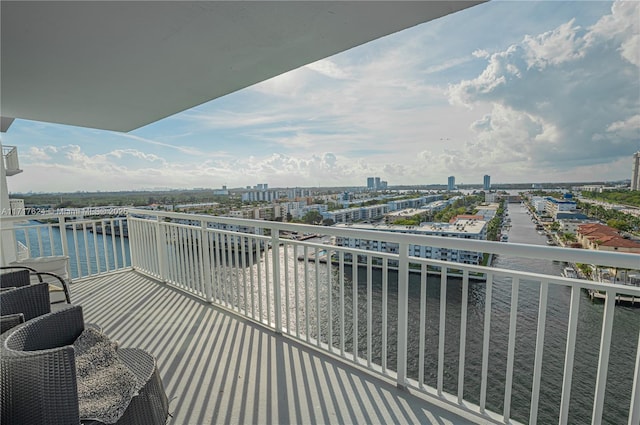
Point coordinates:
[[523, 91]]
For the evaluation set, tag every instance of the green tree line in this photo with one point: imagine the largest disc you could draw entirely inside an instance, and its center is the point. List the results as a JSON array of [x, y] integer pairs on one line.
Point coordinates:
[[624, 197], [613, 218]]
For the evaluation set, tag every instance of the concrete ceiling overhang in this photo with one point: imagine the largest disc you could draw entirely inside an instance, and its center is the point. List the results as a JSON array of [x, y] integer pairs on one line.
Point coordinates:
[[119, 65]]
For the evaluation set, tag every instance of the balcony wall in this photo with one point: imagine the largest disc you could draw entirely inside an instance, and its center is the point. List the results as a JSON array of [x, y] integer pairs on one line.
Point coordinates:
[[432, 326]]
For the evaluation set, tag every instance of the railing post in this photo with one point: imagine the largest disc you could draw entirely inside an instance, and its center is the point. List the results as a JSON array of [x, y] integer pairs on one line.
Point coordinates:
[[134, 235], [567, 378], [403, 305], [161, 249], [206, 259], [634, 410], [277, 302], [603, 360], [63, 237]]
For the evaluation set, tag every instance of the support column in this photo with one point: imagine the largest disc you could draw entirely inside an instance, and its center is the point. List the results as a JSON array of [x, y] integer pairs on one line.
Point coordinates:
[[9, 246]]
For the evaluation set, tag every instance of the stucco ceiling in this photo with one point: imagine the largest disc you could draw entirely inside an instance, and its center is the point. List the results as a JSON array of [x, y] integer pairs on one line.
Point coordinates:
[[120, 65]]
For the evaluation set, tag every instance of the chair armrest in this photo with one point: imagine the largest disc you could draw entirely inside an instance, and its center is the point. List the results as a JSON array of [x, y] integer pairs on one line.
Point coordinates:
[[62, 282]]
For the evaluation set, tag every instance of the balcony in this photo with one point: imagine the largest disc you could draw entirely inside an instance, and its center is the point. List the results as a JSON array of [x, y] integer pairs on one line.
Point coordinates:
[[251, 327], [10, 158]]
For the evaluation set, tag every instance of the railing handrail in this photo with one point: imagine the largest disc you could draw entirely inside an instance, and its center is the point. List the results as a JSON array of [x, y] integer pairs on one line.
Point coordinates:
[[7, 149], [613, 259]]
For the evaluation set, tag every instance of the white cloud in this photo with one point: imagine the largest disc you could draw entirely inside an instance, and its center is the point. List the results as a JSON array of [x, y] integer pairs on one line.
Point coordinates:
[[554, 47], [560, 99], [630, 50], [481, 53], [41, 153], [329, 69], [629, 128]]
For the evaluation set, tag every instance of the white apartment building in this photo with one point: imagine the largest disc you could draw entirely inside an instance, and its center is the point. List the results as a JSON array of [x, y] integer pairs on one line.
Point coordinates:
[[298, 192], [294, 208], [349, 215], [270, 212], [400, 204], [16, 207], [461, 228], [571, 225], [539, 203], [260, 195], [554, 206], [488, 211]]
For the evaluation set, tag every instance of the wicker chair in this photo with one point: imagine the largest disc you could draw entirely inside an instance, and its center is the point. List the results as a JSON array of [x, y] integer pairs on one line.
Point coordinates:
[[31, 301], [38, 375], [20, 275], [15, 278]]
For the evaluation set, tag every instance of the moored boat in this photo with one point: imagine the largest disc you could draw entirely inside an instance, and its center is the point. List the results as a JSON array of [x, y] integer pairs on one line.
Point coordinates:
[[569, 272]]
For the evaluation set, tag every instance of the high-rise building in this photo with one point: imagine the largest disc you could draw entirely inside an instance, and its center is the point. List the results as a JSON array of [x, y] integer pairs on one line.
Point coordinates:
[[487, 182], [451, 184], [370, 183], [635, 177], [377, 182]]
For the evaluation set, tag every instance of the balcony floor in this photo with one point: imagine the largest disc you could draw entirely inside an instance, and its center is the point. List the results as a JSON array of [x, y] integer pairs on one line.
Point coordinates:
[[220, 368]]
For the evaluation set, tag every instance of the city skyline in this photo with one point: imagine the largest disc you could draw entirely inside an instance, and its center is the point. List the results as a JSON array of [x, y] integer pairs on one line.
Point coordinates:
[[552, 98]]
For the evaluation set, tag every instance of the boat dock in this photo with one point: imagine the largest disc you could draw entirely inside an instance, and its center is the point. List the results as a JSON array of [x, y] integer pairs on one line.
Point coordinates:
[[620, 299]]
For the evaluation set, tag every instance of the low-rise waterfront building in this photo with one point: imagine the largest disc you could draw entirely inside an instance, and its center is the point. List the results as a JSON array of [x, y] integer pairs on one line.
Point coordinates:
[[571, 225], [554, 206], [459, 228], [400, 204], [604, 238], [488, 211], [349, 215]]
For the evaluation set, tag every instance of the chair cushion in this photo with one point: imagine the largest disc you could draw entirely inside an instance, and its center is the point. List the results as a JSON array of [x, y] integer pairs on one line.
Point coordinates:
[[105, 385], [56, 264]]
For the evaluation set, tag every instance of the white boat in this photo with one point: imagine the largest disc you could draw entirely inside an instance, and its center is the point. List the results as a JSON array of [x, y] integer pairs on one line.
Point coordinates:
[[570, 273]]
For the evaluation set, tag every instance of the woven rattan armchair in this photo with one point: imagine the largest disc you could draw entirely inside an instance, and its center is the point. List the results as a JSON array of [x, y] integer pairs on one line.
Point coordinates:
[[31, 301], [14, 278], [38, 375], [20, 275]]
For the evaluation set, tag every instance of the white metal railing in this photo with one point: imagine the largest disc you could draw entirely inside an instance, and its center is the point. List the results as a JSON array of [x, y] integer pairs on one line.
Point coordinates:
[[387, 314], [94, 245], [22, 252]]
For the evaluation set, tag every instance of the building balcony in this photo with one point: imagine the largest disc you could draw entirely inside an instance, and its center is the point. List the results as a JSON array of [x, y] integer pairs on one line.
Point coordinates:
[[249, 327], [10, 158]]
